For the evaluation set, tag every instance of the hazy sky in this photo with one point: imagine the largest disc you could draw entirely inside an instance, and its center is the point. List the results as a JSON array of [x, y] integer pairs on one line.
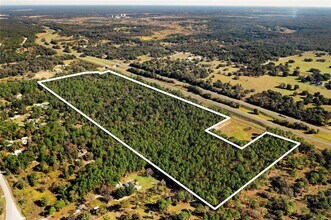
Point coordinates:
[[293, 3]]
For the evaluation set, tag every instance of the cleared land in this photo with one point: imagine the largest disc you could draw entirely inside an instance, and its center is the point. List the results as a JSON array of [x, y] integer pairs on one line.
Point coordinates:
[[324, 67], [266, 82], [170, 133], [263, 83], [239, 130]]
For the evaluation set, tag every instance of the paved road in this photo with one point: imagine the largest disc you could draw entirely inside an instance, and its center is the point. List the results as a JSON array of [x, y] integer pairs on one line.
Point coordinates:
[[12, 212], [178, 86], [242, 103], [262, 110], [242, 114]]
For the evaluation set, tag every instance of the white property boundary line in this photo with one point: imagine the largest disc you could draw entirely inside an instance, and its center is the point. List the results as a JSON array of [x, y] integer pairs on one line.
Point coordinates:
[[181, 99]]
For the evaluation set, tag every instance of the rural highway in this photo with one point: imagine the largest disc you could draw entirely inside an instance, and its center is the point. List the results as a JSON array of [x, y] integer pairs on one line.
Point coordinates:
[[12, 212], [242, 114], [251, 106], [177, 85]]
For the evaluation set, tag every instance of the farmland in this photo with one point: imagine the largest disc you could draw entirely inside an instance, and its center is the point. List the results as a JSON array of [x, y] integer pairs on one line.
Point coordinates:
[[264, 83], [299, 61], [258, 83]]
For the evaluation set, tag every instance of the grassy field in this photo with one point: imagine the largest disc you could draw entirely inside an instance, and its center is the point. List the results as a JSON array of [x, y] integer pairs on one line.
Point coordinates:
[[209, 64], [146, 182], [258, 83], [266, 82], [179, 207], [48, 36], [323, 135], [261, 116], [305, 66], [181, 55], [144, 58], [225, 69], [168, 29], [239, 130]]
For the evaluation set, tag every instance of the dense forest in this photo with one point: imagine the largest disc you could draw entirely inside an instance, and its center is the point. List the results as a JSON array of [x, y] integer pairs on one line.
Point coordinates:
[[170, 133], [68, 163], [20, 55], [252, 38], [183, 71], [12, 35], [55, 140], [285, 104], [251, 41]]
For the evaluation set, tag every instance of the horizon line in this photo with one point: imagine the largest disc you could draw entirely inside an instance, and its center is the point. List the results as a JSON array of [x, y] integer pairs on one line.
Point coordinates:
[[181, 5]]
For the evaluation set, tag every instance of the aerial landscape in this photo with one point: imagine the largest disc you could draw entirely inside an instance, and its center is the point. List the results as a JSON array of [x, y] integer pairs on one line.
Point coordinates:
[[165, 111]]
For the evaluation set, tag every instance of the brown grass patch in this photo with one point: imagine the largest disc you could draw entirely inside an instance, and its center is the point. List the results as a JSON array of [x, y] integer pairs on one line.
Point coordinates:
[[239, 130], [44, 74]]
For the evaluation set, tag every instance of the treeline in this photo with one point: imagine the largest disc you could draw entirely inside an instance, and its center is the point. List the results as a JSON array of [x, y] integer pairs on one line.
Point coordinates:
[[198, 91], [152, 124], [13, 32], [148, 74], [328, 85], [316, 76], [123, 52], [296, 125], [179, 69], [317, 98], [34, 64], [270, 69], [184, 74], [286, 105]]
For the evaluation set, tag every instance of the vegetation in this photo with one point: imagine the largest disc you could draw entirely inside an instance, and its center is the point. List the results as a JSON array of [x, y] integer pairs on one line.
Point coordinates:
[[69, 166], [181, 70], [286, 105], [145, 120]]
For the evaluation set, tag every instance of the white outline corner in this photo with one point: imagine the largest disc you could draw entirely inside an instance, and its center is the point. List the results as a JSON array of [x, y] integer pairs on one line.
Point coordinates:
[[208, 130]]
